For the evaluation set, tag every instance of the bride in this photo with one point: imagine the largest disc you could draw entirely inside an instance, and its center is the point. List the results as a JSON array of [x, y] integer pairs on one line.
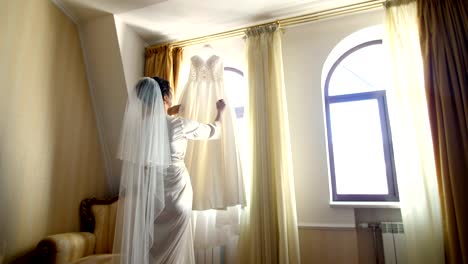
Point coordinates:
[[155, 198]]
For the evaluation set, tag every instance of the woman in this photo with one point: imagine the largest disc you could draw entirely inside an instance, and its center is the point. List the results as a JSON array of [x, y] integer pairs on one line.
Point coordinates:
[[155, 204]]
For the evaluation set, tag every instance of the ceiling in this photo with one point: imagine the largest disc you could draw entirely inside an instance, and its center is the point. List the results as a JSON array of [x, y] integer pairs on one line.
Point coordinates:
[[168, 20], [84, 10]]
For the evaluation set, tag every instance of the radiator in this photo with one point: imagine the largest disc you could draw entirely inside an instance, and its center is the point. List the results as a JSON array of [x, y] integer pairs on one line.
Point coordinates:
[[394, 242], [215, 255]]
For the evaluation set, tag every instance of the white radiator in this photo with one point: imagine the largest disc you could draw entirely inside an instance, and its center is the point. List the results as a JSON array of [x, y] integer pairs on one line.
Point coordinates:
[[394, 242], [210, 255]]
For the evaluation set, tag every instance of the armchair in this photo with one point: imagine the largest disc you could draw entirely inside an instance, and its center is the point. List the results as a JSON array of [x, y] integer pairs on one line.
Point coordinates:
[[92, 245]]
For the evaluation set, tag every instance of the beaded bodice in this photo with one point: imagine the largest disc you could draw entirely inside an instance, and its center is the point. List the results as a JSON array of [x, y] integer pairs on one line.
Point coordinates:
[[210, 69]]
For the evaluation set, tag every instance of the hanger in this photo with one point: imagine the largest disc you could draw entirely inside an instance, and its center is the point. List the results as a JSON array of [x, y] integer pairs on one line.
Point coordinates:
[[207, 46], [206, 51]]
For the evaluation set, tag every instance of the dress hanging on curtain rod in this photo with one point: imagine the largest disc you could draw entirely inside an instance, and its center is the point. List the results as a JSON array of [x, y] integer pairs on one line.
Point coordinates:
[[217, 177]]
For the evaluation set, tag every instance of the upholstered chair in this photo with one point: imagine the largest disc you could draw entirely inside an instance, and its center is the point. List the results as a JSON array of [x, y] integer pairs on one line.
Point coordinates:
[[92, 245]]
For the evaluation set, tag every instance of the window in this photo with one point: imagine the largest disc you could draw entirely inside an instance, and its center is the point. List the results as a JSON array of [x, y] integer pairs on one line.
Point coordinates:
[[236, 92], [358, 129], [235, 88]]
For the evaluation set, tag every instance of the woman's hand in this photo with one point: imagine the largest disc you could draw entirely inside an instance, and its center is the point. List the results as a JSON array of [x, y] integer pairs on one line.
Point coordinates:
[[220, 105], [173, 110]]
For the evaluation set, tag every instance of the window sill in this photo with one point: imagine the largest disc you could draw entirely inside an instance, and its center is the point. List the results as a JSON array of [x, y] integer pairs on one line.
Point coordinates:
[[365, 204]]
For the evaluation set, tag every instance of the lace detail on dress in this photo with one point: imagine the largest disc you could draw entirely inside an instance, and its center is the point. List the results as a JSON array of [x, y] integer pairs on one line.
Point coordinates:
[[209, 70], [217, 177]]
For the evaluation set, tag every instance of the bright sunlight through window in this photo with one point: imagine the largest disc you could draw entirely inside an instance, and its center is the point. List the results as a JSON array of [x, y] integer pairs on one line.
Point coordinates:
[[359, 134]]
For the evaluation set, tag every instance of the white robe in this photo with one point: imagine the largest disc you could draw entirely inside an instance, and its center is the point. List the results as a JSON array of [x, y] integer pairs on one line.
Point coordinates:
[[173, 239]]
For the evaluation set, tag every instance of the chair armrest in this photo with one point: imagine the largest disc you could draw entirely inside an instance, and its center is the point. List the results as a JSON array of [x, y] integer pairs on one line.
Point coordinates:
[[65, 247]]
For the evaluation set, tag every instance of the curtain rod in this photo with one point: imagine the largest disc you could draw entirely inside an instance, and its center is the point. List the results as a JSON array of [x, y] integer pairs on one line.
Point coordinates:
[[286, 22]]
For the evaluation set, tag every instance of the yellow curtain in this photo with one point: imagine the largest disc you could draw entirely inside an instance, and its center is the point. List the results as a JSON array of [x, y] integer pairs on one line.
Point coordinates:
[[444, 42], [269, 232], [164, 62], [412, 141], [177, 56]]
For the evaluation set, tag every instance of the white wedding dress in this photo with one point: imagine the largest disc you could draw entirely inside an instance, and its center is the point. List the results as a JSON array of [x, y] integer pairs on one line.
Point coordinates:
[[214, 166]]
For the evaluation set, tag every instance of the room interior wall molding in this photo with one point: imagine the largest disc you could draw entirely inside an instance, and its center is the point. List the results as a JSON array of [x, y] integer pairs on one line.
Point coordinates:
[[67, 12], [325, 226]]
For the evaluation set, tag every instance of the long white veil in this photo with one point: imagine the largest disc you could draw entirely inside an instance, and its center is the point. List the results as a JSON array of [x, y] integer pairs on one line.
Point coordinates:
[[144, 151]]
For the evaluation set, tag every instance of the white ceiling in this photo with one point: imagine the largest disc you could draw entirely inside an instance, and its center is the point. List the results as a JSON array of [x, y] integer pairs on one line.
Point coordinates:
[[163, 20], [84, 10]]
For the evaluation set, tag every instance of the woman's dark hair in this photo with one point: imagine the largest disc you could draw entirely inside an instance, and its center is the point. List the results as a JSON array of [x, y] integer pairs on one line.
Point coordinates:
[[145, 89], [164, 85]]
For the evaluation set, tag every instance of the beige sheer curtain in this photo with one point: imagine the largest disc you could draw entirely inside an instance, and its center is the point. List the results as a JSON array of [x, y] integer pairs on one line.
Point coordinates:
[[444, 41], [269, 232], [164, 62], [414, 156]]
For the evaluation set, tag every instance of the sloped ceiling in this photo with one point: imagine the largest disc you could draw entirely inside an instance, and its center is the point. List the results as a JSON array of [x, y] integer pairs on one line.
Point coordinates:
[[85, 10]]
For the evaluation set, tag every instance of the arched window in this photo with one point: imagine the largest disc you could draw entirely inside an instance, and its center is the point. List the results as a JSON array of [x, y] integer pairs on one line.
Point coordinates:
[[358, 129], [236, 89]]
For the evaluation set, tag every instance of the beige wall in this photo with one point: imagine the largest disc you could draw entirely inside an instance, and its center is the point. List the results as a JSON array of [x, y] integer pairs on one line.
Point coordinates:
[[328, 245], [132, 52], [50, 156], [107, 80]]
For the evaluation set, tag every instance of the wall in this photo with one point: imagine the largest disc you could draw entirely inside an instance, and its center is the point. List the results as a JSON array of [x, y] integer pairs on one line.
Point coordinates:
[[370, 241], [328, 245], [50, 156], [107, 80], [132, 52], [305, 49]]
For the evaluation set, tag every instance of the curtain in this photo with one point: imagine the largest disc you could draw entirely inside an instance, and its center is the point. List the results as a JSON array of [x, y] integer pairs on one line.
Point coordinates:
[[414, 155], [444, 42], [269, 231], [164, 62]]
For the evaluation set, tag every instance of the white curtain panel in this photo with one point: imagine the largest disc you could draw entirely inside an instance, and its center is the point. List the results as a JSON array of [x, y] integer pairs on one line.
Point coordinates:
[[416, 174], [269, 231]]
